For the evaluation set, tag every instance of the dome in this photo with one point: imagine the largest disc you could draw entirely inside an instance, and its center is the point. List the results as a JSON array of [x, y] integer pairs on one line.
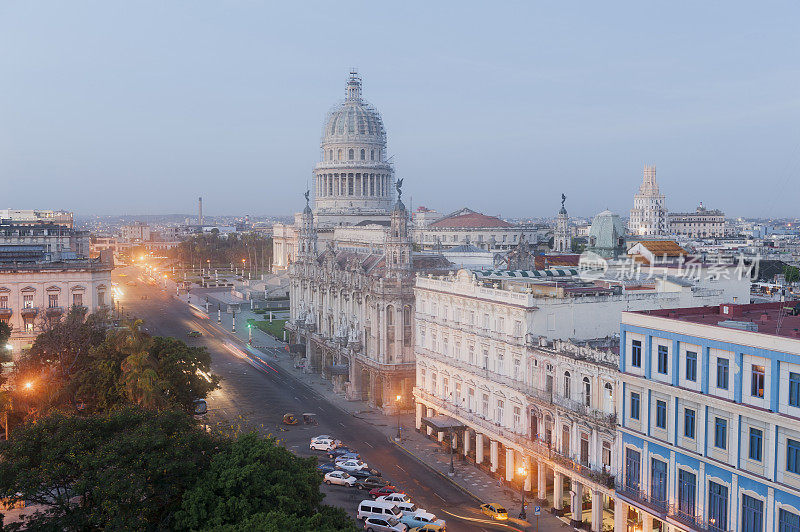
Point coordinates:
[[607, 234], [354, 119]]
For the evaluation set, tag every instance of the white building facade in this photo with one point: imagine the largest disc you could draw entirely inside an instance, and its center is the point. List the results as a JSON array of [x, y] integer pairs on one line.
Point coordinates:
[[703, 223], [649, 213]]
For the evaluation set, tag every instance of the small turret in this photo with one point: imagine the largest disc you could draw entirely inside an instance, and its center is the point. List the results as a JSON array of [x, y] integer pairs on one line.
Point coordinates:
[[398, 242]]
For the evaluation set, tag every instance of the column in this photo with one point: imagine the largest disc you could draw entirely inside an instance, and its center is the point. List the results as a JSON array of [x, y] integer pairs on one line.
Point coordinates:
[[647, 522], [558, 490], [529, 476], [541, 480], [494, 455], [576, 503], [620, 516], [440, 436], [466, 442], [509, 464], [597, 511], [478, 448], [418, 423], [430, 414]]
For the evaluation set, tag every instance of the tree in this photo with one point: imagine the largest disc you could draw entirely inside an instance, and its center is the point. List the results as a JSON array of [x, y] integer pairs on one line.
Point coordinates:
[[123, 470], [792, 274], [256, 484]]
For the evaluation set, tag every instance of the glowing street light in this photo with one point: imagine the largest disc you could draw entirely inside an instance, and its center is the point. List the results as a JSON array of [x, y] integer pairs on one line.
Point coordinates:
[[523, 472], [28, 385]]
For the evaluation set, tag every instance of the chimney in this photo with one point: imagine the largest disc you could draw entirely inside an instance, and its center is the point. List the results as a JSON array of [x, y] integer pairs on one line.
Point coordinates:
[[200, 210]]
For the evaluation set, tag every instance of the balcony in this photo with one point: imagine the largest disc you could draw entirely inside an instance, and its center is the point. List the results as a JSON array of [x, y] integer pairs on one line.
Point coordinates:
[[694, 522], [54, 311], [29, 311], [633, 493], [6, 312]]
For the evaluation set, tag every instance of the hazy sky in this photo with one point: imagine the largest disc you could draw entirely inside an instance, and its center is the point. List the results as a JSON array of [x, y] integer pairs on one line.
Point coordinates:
[[139, 107]]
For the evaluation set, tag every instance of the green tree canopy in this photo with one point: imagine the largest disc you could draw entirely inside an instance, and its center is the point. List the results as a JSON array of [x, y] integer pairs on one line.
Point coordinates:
[[256, 484], [792, 274], [123, 470]]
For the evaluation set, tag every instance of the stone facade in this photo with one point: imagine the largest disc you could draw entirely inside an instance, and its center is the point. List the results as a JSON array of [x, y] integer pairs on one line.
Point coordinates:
[[703, 223], [649, 213]]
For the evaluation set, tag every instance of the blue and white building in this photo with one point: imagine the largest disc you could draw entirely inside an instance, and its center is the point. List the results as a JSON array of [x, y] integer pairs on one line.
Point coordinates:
[[709, 419]]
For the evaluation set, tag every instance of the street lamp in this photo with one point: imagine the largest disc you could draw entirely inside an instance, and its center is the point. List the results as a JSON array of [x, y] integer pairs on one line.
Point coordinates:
[[522, 474], [399, 436]]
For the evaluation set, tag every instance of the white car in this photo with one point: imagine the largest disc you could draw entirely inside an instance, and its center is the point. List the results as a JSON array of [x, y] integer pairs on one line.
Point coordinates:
[[322, 437], [340, 478], [410, 508], [396, 498], [382, 524], [322, 445], [351, 465]]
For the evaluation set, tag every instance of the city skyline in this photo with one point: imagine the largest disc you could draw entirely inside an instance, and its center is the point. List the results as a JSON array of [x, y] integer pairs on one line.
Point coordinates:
[[543, 101]]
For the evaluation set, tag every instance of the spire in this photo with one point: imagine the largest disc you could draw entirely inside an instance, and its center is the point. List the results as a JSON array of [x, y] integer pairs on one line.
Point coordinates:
[[354, 85]]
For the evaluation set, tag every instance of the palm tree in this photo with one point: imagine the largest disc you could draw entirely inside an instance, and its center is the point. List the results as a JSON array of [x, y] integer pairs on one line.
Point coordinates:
[[139, 375]]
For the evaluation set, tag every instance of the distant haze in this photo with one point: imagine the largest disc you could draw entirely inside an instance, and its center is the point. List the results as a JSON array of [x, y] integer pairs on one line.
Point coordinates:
[[139, 107]]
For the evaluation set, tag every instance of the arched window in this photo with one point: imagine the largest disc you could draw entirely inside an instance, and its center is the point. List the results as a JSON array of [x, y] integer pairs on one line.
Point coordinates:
[[371, 155], [567, 384], [330, 155], [363, 154], [587, 392], [351, 154], [339, 155]]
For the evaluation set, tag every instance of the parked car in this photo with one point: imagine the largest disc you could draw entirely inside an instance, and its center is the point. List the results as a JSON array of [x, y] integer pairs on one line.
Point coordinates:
[[419, 519], [395, 497], [327, 467], [410, 507], [364, 473], [339, 451], [340, 478], [348, 456], [379, 492], [322, 445], [495, 511], [430, 527], [382, 524], [194, 334], [351, 465], [381, 509], [322, 437], [372, 482]]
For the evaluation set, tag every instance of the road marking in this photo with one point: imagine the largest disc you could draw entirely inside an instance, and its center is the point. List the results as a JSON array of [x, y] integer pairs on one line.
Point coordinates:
[[495, 523], [342, 424], [440, 497], [296, 399], [401, 469], [368, 443]]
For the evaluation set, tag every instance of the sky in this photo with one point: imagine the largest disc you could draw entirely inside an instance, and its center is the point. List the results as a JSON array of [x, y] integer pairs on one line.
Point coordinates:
[[112, 107]]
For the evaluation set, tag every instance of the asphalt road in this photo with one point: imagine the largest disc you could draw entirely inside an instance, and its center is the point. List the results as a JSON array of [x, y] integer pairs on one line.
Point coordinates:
[[257, 396]]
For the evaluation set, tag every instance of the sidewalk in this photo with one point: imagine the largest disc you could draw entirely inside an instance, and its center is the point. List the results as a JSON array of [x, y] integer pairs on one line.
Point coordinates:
[[479, 484]]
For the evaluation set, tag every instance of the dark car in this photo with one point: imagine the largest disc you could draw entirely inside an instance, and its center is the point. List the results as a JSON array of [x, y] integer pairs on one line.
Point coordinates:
[[370, 483], [326, 468], [364, 473], [385, 490], [339, 451]]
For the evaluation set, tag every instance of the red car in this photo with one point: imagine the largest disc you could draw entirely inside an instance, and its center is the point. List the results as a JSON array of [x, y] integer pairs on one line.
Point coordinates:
[[385, 490]]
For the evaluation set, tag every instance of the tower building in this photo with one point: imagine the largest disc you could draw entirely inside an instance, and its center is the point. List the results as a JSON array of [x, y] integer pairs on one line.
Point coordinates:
[[561, 239], [354, 180], [649, 214]]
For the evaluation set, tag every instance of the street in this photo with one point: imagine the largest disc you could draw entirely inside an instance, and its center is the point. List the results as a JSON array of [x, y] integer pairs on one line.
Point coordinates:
[[256, 395]]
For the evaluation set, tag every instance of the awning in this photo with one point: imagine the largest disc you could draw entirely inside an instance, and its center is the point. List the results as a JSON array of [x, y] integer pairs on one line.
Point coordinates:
[[442, 423], [533, 274]]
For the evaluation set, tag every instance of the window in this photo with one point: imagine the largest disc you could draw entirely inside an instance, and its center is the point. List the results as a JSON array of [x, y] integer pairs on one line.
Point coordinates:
[[584, 452], [721, 433], [471, 355], [351, 154], [686, 493], [632, 461], [661, 414], [723, 369], [567, 384], [658, 482], [757, 381], [363, 154], [587, 392], [717, 506], [422, 379], [499, 413], [52, 300], [485, 405], [458, 394], [517, 418], [634, 406], [691, 366], [371, 155], [470, 399], [446, 388], [688, 423], [517, 328], [27, 323], [77, 300], [752, 514], [485, 359], [663, 354], [756, 444], [794, 389], [517, 366], [788, 521], [793, 456], [636, 353], [606, 454], [499, 366], [27, 301], [101, 298], [3, 301], [434, 384]]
